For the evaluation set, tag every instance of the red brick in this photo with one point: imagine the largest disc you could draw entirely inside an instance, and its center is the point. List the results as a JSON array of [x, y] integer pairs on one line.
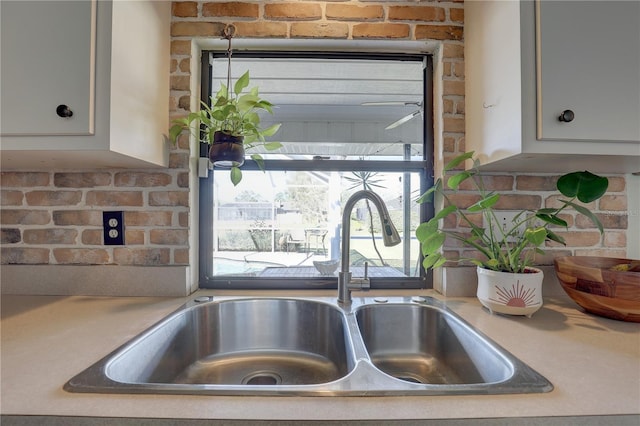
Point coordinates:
[[183, 219], [77, 217], [453, 87], [609, 221], [184, 9], [261, 29], [169, 236], [183, 180], [24, 255], [319, 30], [231, 9], [453, 125], [492, 183], [134, 237], [81, 180], [81, 256], [352, 12], [169, 198], [114, 198], [518, 202], [142, 179], [11, 198], [536, 183], [92, 237], [577, 239], [137, 218], [416, 13], [451, 50], [456, 15], [613, 202], [180, 82], [22, 179], [615, 239], [10, 236], [196, 29], [53, 198], [25, 217], [185, 65], [438, 32], [141, 256], [292, 11], [181, 47], [181, 257], [178, 160], [50, 236], [380, 30]]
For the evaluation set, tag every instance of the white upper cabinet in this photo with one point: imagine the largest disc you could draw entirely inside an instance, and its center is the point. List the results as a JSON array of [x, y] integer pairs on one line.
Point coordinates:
[[529, 63], [85, 84]]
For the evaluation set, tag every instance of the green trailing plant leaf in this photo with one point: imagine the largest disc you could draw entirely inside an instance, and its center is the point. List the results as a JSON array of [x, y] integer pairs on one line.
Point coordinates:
[[241, 83], [458, 160], [585, 186], [536, 236], [259, 160], [454, 181], [236, 175], [552, 219], [433, 242], [425, 229], [586, 212], [485, 203], [434, 260], [428, 194]]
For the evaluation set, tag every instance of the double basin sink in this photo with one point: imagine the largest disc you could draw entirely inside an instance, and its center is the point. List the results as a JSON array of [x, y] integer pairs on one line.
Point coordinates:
[[310, 346]]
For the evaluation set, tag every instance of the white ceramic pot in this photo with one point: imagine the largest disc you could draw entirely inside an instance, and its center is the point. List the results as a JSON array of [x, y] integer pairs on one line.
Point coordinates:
[[509, 293]]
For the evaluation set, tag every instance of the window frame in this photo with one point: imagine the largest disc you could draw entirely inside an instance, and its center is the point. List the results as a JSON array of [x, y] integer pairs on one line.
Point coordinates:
[[424, 168]]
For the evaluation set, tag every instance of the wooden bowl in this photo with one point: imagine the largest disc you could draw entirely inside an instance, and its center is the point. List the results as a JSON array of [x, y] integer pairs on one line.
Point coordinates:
[[600, 290]]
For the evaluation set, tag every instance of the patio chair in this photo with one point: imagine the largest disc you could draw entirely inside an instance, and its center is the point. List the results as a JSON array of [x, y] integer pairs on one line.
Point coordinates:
[[296, 239]]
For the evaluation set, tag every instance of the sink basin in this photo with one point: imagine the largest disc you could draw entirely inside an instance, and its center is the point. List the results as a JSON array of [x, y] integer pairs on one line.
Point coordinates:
[[246, 342], [310, 346], [421, 344]]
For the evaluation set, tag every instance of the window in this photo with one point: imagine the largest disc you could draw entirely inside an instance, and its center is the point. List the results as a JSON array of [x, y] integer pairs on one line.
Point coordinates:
[[349, 122]]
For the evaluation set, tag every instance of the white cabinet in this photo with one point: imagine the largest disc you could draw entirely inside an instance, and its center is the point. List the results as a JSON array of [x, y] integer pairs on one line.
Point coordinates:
[[527, 62], [85, 84]]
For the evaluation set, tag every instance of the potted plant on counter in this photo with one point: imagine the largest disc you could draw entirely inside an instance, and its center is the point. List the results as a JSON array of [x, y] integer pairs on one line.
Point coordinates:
[[507, 280], [230, 126]]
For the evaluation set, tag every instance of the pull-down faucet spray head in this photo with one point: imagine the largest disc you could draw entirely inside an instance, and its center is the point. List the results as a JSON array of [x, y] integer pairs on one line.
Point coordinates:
[[390, 237]]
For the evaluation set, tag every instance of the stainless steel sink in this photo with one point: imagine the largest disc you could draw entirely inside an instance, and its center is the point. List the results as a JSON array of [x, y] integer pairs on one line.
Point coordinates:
[[310, 346], [421, 344]]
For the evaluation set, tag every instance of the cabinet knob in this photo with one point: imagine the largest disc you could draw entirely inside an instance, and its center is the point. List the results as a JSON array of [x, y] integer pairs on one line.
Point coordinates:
[[567, 116], [64, 111]]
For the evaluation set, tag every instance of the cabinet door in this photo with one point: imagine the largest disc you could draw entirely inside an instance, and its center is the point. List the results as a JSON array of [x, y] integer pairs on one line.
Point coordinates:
[[588, 56], [48, 60]]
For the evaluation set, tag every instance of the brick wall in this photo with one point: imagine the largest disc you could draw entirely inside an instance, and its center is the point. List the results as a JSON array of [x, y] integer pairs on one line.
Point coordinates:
[[55, 217]]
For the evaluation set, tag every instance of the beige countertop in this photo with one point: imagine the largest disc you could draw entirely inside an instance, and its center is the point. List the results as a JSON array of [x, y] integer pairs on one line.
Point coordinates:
[[593, 363]]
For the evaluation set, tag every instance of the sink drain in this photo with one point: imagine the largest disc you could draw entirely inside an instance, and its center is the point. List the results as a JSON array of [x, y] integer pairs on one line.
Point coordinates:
[[410, 378], [262, 378]]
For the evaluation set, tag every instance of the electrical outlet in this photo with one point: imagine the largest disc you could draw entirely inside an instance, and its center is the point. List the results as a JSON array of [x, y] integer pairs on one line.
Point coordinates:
[[113, 227], [505, 221]]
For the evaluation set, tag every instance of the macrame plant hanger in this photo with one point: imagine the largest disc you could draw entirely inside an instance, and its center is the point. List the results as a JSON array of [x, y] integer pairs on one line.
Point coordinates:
[[228, 33], [227, 150]]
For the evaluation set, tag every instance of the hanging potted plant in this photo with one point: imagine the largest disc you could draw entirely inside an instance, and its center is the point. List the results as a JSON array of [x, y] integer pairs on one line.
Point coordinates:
[[231, 124], [507, 280]]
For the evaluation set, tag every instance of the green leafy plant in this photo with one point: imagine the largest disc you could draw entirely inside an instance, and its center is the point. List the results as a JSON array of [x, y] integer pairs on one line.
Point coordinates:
[[234, 113], [509, 249]]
